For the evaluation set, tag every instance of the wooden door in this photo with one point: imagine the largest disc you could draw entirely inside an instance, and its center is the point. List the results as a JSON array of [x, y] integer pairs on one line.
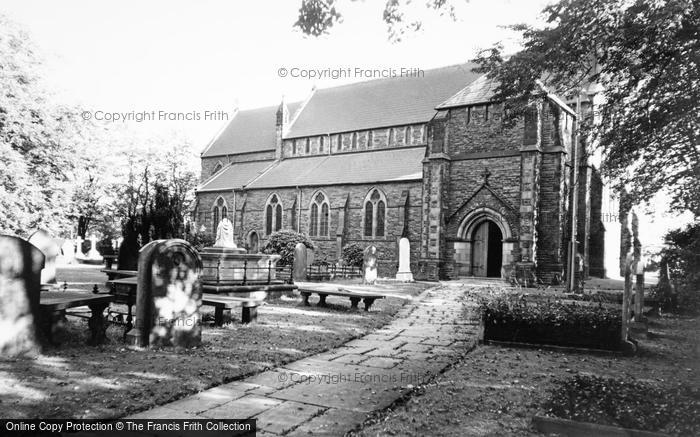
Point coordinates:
[[480, 248]]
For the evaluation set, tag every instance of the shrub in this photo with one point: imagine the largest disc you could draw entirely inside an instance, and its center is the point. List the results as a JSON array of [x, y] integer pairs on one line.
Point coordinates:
[[353, 255], [200, 240], [513, 318], [283, 243], [679, 290]]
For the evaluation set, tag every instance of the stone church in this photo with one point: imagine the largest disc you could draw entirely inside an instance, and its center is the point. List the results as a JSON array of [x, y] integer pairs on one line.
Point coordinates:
[[426, 158]]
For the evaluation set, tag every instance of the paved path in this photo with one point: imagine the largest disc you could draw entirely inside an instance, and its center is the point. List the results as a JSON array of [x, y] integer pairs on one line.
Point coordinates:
[[332, 392]]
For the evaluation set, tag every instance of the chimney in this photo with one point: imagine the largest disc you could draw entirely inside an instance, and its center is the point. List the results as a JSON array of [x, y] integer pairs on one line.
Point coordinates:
[[281, 125]]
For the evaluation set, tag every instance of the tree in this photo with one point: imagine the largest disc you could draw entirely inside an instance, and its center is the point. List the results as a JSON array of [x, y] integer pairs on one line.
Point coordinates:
[[317, 17], [40, 142], [645, 57]]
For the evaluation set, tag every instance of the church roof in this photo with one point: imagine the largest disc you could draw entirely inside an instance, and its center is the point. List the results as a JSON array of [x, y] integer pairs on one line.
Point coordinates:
[[250, 130], [380, 103], [347, 168], [479, 91], [235, 176]]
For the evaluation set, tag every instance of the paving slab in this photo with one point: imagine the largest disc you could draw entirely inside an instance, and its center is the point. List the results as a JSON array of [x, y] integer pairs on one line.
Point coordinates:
[[242, 408], [331, 393], [286, 416]]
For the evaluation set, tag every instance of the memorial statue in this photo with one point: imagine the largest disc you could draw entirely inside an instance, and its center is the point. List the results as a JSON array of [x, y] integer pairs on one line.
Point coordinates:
[[224, 234]]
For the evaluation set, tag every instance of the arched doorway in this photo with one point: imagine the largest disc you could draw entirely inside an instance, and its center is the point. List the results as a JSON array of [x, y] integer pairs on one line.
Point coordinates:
[[487, 250], [253, 242]]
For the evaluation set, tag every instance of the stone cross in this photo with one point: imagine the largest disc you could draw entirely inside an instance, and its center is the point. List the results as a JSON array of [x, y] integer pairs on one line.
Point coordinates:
[[47, 245], [168, 295], [369, 265], [20, 286], [299, 265], [404, 273]]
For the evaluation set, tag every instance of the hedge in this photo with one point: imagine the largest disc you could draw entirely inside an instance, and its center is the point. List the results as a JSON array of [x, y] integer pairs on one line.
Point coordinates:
[[512, 318]]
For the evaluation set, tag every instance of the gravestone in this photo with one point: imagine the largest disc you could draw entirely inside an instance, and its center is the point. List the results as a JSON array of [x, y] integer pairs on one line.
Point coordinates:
[[168, 295], [79, 247], [310, 256], [20, 286], [47, 245], [299, 264], [404, 273], [369, 265], [68, 250]]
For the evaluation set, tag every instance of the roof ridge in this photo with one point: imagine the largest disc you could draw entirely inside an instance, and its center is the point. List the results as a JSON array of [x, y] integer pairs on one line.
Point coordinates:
[[395, 77]]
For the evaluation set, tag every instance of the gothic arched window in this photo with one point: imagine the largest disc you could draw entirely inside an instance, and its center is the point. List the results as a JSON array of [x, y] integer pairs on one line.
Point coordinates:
[[319, 216], [374, 222], [218, 212], [273, 215], [354, 140]]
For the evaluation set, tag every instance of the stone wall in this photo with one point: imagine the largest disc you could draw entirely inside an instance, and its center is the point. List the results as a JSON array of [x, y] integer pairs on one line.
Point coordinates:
[[209, 163], [346, 216]]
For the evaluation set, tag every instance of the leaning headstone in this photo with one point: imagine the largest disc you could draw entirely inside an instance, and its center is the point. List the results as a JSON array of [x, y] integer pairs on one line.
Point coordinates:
[[20, 286], [404, 273], [168, 295], [299, 266], [68, 251], [47, 245], [369, 265]]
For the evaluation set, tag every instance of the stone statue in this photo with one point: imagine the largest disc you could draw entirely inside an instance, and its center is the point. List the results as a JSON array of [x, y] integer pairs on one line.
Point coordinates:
[[224, 234]]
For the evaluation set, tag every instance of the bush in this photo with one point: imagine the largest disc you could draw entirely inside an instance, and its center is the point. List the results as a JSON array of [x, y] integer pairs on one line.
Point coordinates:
[[353, 255], [679, 291], [283, 243], [513, 318], [627, 403], [200, 240]]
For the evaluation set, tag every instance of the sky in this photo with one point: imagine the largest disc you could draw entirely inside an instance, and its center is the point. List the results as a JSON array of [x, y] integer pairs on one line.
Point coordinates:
[[208, 57], [181, 56]]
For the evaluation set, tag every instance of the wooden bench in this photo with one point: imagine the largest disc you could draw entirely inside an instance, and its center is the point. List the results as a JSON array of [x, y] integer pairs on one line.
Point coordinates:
[[113, 274], [233, 289], [124, 292], [52, 306], [355, 296], [249, 307]]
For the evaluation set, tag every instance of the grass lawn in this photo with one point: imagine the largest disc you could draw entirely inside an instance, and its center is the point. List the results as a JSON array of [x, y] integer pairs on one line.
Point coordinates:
[[79, 381], [497, 390]]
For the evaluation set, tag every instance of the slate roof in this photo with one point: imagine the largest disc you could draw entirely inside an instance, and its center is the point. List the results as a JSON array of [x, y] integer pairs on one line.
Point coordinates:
[[380, 103], [383, 165], [235, 176], [251, 130], [479, 91]]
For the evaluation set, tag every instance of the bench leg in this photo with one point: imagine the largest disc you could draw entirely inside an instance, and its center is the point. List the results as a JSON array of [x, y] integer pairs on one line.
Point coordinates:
[[97, 324], [322, 300], [368, 303], [305, 298], [218, 316], [249, 314], [354, 301]]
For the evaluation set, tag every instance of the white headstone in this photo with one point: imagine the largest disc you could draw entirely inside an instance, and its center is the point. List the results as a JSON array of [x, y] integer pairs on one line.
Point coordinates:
[[68, 250], [404, 273], [47, 245], [369, 265]]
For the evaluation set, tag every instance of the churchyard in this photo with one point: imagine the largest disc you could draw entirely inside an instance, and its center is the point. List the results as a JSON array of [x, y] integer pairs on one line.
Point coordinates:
[[565, 366]]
